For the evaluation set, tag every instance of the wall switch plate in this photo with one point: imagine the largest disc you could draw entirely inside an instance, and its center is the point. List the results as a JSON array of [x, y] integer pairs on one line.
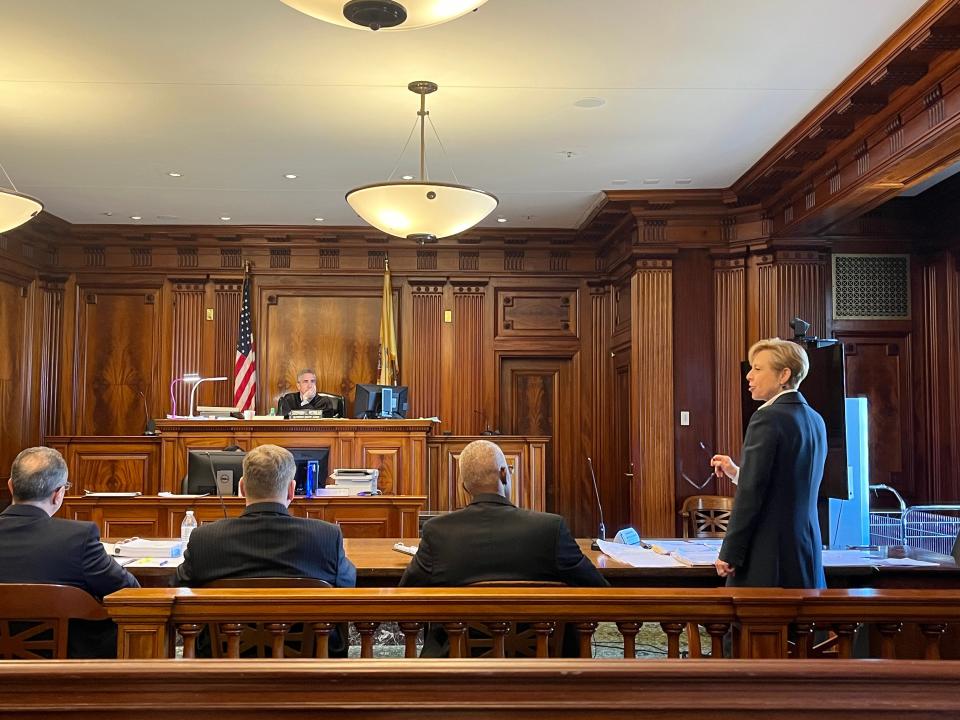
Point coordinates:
[[684, 418], [448, 316], [209, 313]]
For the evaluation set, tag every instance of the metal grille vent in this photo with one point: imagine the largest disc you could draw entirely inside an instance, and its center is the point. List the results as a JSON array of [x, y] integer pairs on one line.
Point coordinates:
[[871, 287]]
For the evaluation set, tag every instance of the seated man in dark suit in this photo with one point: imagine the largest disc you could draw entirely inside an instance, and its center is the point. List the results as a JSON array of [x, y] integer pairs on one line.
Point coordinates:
[[307, 397], [492, 539], [35, 547], [266, 541]]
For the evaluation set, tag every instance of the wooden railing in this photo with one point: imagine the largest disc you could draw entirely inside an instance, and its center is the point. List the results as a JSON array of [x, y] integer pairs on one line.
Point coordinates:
[[767, 622], [474, 689]]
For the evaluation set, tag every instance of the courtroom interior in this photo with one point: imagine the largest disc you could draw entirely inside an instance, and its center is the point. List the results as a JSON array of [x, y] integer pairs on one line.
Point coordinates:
[[610, 203]]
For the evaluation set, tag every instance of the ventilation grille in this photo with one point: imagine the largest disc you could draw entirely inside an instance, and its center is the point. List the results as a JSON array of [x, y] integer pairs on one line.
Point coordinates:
[[871, 287]]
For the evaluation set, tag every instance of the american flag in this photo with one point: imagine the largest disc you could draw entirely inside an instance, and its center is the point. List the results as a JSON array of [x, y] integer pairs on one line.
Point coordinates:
[[245, 367]]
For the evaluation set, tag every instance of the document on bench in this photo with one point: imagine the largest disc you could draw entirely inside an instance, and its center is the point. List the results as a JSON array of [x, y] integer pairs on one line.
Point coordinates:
[[142, 548], [637, 556]]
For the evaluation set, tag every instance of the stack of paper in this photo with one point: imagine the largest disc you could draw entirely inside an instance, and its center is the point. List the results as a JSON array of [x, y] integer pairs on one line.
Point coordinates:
[[140, 548]]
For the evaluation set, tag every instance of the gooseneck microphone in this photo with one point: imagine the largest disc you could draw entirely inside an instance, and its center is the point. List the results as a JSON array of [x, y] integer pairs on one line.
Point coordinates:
[[150, 427], [596, 492], [213, 472]]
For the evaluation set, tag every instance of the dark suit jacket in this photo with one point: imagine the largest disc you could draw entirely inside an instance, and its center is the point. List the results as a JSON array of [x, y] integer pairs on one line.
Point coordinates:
[[37, 548], [291, 401], [773, 539], [491, 539], [266, 541]]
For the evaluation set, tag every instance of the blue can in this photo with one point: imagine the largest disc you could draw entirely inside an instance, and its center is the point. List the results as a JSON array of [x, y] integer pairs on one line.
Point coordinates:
[[313, 469]]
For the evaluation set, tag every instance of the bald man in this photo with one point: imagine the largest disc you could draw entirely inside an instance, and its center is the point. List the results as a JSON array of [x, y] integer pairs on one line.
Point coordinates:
[[492, 539]]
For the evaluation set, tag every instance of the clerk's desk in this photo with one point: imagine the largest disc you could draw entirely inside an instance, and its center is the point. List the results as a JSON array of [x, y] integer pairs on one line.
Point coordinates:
[[379, 565]]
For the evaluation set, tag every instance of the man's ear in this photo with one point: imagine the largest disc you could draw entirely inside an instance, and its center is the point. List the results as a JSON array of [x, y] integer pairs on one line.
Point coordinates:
[[503, 475], [240, 488], [10, 486], [291, 490]]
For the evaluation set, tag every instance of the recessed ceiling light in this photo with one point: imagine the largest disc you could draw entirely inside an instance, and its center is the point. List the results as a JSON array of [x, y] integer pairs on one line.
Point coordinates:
[[224, 217], [683, 181], [175, 174], [568, 154], [590, 102], [318, 219], [651, 181], [408, 177], [501, 219], [108, 214], [290, 176], [618, 182], [136, 217]]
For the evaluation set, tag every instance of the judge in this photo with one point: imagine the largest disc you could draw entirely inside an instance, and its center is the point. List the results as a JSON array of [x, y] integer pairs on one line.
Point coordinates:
[[307, 397]]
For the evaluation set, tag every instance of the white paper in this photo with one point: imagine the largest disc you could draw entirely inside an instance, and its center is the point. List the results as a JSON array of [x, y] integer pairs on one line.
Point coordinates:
[[87, 493], [636, 556]]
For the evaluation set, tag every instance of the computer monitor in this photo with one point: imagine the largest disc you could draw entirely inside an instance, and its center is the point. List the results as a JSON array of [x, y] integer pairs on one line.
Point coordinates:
[[368, 401], [208, 469], [302, 457]]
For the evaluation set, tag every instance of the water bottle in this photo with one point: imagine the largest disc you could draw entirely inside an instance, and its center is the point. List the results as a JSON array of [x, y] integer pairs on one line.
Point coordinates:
[[313, 469], [188, 525]]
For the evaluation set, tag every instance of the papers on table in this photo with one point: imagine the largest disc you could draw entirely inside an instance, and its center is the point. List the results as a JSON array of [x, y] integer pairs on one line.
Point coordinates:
[[87, 493], [140, 548], [147, 562], [405, 549], [166, 494], [868, 558], [636, 556]]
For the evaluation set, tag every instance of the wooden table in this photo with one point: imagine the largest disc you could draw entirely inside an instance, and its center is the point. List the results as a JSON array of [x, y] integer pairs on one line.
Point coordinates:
[[379, 565]]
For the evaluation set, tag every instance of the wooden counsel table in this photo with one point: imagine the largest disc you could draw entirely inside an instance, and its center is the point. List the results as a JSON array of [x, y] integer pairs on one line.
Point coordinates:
[[379, 565]]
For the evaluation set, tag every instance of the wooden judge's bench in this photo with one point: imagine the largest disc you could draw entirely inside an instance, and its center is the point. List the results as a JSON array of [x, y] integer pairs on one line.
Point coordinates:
[[417, 472]]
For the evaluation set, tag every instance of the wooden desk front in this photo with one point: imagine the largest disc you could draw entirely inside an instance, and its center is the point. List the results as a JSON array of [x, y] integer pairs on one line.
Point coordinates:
[[381, 516]]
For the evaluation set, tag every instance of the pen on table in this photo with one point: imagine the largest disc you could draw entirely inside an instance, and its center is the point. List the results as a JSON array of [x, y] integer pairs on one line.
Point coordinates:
[[163, 562]]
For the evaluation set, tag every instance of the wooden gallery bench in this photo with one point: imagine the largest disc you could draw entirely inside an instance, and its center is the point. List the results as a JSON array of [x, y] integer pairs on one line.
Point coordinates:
[[767, 622]]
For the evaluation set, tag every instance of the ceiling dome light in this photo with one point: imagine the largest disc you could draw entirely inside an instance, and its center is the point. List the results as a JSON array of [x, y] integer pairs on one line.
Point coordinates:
[[15, 207], [385, 15], [421, 210]]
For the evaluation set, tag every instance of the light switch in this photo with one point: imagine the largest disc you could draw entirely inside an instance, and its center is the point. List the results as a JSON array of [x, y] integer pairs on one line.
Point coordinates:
[[209, 313], [448, 316], [685, 417]]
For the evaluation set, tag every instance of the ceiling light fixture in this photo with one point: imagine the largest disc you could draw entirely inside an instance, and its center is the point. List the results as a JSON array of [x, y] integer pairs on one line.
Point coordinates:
[[290, 176], [421, 210], [318, 219], [386, 15], [175, 174], [15, 207], [136, 217]]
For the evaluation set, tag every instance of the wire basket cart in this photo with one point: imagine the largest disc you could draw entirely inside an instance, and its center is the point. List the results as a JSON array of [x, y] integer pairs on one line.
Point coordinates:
[[927, 527]]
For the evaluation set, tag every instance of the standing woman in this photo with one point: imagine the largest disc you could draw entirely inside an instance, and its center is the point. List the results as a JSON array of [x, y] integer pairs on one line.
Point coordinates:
[[773, 539]]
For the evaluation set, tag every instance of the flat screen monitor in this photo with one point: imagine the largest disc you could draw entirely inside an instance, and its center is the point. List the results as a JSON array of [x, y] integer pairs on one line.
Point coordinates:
[[303, 457], [208, 469], [368, 401], [825, 390]]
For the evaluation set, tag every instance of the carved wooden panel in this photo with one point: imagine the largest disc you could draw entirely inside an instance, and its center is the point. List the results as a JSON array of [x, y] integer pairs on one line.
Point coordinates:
[[802, 291], [118, 351], [110, 473], [730, 340], [652, 398], [424, 350], [52, 296], [385, 457], [536, 313], [226, 308], [15, 341], [470, 417], [538, 396], [185, 346], [878, 368], [337, 335]]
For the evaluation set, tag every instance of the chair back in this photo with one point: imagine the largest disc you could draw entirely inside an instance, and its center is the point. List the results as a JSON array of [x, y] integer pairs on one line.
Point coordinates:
[[35, 619], [706, 516], [518, 583], [269, 582]]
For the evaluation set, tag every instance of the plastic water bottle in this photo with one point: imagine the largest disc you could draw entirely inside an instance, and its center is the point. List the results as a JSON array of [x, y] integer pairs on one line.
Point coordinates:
[[188, 525]]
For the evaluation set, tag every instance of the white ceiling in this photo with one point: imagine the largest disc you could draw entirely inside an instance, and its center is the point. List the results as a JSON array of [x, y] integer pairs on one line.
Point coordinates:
[[100, 99]]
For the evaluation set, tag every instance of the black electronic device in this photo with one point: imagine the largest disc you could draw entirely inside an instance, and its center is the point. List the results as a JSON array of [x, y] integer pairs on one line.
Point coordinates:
[[368, 401], [303, 457], [214, 472], [825, 391]]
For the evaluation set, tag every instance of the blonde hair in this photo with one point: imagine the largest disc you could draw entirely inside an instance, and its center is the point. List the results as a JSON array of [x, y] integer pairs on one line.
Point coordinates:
[[784, 355], [267, 470]]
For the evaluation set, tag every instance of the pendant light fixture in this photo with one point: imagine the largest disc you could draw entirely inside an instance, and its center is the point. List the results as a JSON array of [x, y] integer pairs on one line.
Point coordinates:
[[421, 210], [15, 207], [386, 15]]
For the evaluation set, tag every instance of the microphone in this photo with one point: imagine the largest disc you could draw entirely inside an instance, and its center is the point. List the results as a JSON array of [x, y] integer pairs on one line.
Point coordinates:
[[151, 427], [213, 471], [596, 492], [486, 428]]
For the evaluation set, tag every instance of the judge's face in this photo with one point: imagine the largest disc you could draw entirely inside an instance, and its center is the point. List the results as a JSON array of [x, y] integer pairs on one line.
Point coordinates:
[[307, 385], [764, 381]]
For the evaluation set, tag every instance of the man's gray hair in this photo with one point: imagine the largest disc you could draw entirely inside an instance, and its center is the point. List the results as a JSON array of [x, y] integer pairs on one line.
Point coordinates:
[[480, 464], [267, 471], [305, 371], [37, 473]]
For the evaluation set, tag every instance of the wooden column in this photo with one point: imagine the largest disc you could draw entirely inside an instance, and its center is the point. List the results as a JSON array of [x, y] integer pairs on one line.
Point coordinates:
[[652, 435], [730, 347], [423, 348], [51, 332], [471, 360], [186, 350]]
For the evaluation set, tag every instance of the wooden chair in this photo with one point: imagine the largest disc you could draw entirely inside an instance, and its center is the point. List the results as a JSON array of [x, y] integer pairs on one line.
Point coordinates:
[[514, 640], [703, 516], [35, 619], [706, 516], [260, 640]]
